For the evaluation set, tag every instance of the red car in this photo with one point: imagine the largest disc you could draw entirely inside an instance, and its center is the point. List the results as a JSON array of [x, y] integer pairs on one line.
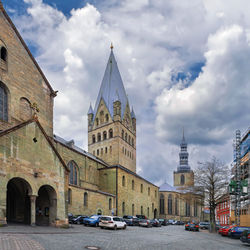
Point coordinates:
[[221, 229], [224, 231]]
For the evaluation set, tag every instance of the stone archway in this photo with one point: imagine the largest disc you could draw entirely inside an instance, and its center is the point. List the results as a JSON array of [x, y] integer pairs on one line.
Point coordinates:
[[18, 201], [46, 206]]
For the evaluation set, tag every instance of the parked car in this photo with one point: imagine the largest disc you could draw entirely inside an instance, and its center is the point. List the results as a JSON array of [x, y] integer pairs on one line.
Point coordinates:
[[235, 232], [141, 216], [224, 231], [178, 222], [221, 229], [204, 225], [145, 223], [113, 222], [131, 220], [245, 236], [191, 226], [164, 222], [171, 222], [155, 223], [78, 219], [93, 220]]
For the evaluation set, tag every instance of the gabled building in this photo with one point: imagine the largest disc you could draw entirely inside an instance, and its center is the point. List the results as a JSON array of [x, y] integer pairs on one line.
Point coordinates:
[[43, 177]]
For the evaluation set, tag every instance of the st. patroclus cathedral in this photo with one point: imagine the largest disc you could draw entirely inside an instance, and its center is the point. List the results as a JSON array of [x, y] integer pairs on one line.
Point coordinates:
[[43, 177]]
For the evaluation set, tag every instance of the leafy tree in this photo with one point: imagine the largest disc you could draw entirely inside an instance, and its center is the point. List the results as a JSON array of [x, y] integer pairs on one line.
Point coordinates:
[[213, 177]]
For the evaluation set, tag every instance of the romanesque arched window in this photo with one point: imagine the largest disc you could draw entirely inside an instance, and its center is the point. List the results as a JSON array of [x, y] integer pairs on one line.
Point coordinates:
[[187, 208], [73, 176], [133, 209], [111, 133], [133, 185], [93, 138], [123, 207], [107, 117], [99, 137], [3, 102], [104, 135], [141, 188], [148, 212], [195, 208], [182, 179], [133, 142], [85, 199], [148, 190], [110, 203], [97, 121], [101, 117], [176, 206], [123, 134], [162, 204], [3, 54], [25, 109], [153, 207], [141, 209], [126, 136], [170, 204], [129, 139], [123, 181]]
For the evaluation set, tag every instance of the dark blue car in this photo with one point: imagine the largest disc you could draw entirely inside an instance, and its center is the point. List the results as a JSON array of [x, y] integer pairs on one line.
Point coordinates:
[[235, 232], [93, 220]]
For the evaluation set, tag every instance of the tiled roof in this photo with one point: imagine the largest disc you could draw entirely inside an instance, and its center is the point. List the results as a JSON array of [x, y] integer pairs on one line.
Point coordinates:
[[167, 187], [70, 144]]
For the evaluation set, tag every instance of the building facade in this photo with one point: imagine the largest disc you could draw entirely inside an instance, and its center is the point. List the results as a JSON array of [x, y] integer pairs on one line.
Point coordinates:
[[223, 210], [245, 178], [181, 201], [43, 177]]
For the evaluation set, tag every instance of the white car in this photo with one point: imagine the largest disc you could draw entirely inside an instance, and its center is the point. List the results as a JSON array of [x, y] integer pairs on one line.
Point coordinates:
[[112, 222]]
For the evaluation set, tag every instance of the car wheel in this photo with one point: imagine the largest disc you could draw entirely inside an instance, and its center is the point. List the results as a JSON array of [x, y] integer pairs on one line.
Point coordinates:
[[78, 222], [115, 227], [124, 227], [102, 227], [96, 224]]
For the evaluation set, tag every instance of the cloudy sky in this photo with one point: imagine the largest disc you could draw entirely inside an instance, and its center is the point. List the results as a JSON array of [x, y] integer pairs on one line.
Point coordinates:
[[183, 63]]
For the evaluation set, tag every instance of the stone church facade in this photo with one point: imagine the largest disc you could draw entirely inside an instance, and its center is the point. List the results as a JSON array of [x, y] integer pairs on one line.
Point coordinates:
[[181, 201], [43, 177]]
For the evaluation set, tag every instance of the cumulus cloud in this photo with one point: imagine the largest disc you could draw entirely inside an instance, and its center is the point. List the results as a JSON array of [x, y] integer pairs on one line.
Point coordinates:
[[157, 44], [216, 101]]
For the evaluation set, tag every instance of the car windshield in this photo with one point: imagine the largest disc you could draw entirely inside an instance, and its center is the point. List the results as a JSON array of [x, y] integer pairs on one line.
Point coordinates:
[[94, 217], [106, 218], [116, 219]]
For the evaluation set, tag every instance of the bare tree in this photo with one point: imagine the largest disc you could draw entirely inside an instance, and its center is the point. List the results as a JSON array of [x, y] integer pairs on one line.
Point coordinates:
[[213, 177]]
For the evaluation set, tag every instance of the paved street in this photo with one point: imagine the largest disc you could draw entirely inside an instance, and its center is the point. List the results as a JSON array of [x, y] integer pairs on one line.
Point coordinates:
[[78, 237]]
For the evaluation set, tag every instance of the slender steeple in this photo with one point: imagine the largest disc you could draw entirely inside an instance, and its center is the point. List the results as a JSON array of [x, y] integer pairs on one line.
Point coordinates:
[[133, 113], [112, 87], [183, 155], [90, 110]]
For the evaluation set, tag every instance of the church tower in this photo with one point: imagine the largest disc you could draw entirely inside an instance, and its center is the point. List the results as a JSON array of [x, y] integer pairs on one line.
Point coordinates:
[[112, 124], [184, 176]]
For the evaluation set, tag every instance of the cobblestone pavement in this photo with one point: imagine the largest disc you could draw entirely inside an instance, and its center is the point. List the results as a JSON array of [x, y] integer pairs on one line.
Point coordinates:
[[78, 237]]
